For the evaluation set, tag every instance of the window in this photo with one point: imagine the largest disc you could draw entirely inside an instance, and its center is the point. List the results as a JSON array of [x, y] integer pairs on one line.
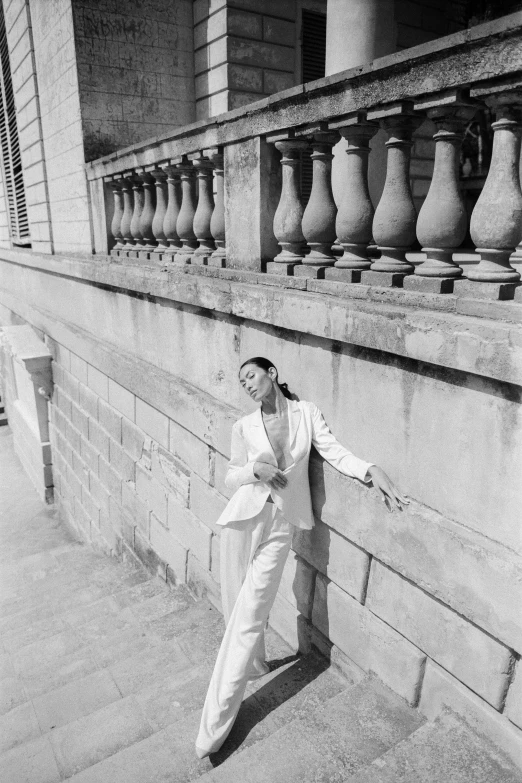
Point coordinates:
[[10, 149], [313, 56]]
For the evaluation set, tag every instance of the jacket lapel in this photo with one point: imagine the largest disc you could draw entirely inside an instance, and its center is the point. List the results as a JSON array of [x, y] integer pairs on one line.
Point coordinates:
[[294, 417], [258, 437]]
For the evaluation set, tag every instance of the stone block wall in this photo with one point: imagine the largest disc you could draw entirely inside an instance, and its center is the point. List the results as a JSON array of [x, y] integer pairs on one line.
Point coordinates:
[[19, 30], [57, 79], [135, 70], [132, 480], [243, 51], [428, 600]]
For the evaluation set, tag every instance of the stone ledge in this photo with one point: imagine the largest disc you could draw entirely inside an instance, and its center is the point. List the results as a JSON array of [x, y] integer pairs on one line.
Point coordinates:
[[405, 323]]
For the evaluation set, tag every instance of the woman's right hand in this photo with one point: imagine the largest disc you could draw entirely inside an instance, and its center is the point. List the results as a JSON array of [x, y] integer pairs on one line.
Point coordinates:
[[270, 475]]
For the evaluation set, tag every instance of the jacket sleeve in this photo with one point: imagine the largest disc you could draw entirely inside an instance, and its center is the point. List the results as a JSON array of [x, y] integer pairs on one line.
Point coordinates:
[[332, 451], [240, 471]]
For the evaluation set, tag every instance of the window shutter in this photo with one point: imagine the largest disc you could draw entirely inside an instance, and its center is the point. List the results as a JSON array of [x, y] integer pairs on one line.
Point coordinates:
[[313, 57], [10, 149]]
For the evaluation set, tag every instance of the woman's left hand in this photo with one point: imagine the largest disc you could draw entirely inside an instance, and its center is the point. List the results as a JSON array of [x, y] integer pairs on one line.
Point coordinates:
[[388, 491]]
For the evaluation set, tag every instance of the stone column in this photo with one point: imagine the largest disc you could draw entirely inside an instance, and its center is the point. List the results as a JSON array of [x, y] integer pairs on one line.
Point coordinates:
[[442, 221], [252, 190], [160, 180], [496, 222], [185, 221], [355, 216], [117, 194], [128, 211], [172, 212], [139, 200], [205, 208], [217, 222], [357, 32], [289, 213], [319, 216], [395, 216], [148, 241]]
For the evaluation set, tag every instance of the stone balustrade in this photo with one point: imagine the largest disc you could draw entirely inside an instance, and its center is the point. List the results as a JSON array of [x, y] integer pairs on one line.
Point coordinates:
[[182, 196]]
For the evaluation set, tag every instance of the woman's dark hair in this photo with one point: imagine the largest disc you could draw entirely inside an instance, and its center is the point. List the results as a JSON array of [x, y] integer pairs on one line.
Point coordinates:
[[265, 365]]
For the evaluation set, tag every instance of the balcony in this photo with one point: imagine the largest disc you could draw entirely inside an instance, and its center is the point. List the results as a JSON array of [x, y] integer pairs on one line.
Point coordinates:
[[223, 196]]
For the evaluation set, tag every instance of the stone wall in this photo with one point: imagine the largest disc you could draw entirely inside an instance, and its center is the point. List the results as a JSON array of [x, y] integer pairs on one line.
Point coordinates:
[[135, 70], [25, 87], [243, 51], [57, 78], [427, 599]]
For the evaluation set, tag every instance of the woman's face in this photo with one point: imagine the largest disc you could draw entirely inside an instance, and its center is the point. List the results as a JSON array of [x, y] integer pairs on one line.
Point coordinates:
[[256, 382]]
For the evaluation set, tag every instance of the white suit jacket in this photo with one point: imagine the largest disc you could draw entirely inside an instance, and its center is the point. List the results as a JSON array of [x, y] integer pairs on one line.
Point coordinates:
[[250, 444]]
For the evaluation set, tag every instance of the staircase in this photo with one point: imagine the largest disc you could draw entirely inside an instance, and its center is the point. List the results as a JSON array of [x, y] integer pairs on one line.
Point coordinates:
[[104, 670]]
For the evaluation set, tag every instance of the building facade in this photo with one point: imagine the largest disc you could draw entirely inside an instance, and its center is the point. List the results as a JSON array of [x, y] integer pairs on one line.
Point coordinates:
[[176, 198]]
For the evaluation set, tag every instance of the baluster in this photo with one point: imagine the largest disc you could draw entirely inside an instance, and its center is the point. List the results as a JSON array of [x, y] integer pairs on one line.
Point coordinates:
[[139, 199], [128, 211], [217, 223], [395, 216], [160, 180], [442, 221], [289, 213], [117, 193], [173, 208], [354, 219], [496, 222], [205, 208], [185, 221], [148, 241], [318, 223]]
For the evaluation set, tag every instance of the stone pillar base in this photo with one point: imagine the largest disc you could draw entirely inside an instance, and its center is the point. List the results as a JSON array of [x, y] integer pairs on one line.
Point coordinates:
[[429, 285], [383, 279], [343, 275], [276, 268], [314, 272], [199, 260], [495, 291], [217, 261]]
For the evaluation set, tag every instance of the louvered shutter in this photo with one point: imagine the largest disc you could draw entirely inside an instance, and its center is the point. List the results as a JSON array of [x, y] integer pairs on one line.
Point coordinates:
[[313, 55], [10, 149]]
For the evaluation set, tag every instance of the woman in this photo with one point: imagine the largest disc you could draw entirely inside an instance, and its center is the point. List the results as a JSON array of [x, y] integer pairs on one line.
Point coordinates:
[[268, 472]]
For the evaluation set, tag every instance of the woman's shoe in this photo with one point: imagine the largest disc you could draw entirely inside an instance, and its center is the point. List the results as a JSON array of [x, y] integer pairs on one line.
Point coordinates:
[[201, 753]]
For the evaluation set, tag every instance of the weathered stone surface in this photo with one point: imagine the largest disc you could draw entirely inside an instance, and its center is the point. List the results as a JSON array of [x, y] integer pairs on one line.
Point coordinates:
[[444, 750], [153, 422], [170, 473], [441, 691], [205, 502], [121, 399], [469, 654], [513, 708], [369, 642], [475, 577], [189, 531], [335, 557], [190, 449]]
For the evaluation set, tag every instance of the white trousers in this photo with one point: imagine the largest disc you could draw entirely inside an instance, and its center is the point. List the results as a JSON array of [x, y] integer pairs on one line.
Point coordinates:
[[253, 555]]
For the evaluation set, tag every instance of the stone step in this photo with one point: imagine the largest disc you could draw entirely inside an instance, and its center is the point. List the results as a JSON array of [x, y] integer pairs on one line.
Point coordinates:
[[168, 755], [328, 743], [443, 750]]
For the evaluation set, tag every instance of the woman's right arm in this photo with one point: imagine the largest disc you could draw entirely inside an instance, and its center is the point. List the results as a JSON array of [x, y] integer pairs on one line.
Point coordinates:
[[240, 470]]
